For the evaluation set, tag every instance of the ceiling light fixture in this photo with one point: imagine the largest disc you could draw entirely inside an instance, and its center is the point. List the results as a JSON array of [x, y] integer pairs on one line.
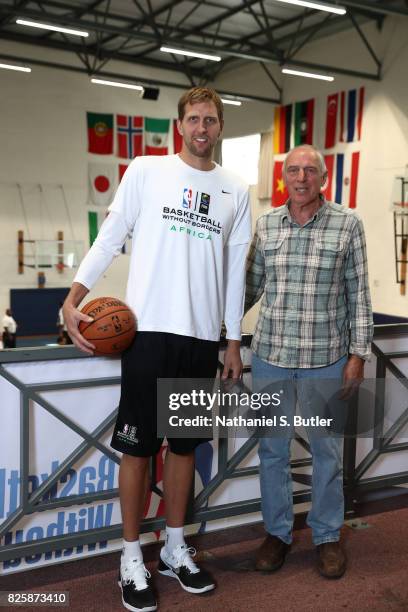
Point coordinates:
[[214, 58], [232, 102], [309, 75], [12, 67], [46, 26], [116, 84], [338, 10]]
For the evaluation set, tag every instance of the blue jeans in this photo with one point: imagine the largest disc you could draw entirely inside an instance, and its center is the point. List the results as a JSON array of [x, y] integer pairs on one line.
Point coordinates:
[[326, 515]]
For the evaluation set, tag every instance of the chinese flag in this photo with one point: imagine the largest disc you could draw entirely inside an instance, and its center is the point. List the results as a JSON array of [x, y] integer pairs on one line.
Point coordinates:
[[279, 191], [100, 133]]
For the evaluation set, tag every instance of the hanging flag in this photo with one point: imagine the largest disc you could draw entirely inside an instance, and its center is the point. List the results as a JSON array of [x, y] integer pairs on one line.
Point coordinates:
[[331, 120], [351, 115], [100, 133], [279, 191], [282, 137], [303, 131], [293, 125], [177, 138], [102, 181], [156, 136], [342, 178], [95, 220], [122, 170], [328, 191], [355, 162], [130, 136]]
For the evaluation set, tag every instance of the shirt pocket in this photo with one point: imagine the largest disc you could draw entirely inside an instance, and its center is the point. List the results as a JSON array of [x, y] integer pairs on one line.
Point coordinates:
[[330, 252], [272, 246]]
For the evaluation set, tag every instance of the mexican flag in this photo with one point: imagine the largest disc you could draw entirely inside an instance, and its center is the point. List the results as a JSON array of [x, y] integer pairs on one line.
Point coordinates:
[[100, 133], [156, 136]]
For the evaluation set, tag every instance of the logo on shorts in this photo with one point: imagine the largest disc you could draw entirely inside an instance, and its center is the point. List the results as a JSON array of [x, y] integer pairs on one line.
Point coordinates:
[[128, 434]]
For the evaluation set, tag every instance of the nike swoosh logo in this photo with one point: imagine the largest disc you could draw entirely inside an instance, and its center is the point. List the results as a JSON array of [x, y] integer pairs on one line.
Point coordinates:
[[229, 193]]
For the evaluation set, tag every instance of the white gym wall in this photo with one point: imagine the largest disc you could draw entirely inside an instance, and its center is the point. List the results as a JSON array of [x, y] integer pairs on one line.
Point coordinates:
[[43, 137]]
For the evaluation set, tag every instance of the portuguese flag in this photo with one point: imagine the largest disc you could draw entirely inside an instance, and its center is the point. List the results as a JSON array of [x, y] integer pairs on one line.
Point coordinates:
[[156, 136], [304, 112], [100, 133]]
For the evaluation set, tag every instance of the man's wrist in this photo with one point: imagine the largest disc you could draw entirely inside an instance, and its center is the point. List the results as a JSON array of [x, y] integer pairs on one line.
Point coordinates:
[[233, 344]]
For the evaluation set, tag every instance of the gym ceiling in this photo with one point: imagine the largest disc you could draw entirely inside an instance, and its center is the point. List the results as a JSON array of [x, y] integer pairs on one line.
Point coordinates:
[[132, 31]]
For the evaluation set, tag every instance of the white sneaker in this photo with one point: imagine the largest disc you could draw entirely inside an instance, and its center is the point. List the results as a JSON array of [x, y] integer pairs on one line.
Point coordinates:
[[137, 593], [180, 565]]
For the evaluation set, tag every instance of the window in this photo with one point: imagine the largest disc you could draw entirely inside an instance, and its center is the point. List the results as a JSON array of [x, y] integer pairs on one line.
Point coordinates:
[[241, 155]]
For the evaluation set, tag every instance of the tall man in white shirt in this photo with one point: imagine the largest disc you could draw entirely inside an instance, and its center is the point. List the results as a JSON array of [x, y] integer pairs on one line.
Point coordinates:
[[190, 222]]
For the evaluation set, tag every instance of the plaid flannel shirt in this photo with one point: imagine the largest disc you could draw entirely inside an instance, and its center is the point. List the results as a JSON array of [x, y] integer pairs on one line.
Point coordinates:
[[316, 303]]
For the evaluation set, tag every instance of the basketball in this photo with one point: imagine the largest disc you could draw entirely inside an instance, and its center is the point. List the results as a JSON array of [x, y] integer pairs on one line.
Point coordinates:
[[113, 327]]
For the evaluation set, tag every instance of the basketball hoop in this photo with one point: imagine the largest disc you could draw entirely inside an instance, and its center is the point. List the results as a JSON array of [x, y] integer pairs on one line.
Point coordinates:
[[399, 197], [400, 209], [52, 254]]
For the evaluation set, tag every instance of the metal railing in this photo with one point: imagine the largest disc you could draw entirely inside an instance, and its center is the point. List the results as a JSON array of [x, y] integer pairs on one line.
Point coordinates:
[[355, 484]]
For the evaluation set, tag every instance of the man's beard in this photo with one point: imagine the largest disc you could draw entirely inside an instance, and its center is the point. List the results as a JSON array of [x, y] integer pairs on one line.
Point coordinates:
[[203, 153]]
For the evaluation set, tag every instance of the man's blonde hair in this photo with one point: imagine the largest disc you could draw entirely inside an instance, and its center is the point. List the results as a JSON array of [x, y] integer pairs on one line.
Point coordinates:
[[200, 94]]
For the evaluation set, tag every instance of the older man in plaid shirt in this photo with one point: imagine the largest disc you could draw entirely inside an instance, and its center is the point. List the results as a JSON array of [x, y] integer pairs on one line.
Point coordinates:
[[308, 262]]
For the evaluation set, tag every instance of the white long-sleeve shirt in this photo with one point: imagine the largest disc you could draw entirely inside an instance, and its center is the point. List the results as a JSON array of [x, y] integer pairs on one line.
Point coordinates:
[[190, 232]]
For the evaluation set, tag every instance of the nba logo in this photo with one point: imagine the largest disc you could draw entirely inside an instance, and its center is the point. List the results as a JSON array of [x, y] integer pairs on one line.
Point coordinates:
[[125, 429], [187, 197]]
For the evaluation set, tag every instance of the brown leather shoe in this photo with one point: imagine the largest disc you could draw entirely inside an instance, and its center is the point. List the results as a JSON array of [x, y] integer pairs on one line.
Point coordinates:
[[271, 554], [332, 560]]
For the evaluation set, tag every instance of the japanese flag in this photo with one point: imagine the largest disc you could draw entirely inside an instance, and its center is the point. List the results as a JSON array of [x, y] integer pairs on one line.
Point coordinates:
[[102, 183]]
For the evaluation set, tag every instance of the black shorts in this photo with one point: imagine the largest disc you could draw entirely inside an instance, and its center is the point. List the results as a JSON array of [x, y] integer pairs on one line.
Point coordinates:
[[156, 355]]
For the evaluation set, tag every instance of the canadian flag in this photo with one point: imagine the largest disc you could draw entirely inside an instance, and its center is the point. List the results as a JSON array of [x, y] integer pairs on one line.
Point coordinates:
[[102, 183]]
